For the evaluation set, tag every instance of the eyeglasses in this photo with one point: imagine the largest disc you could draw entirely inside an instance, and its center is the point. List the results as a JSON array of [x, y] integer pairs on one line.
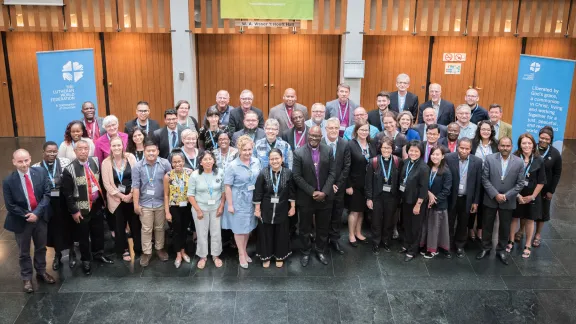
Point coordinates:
[[246, 99], [315, 136], [143, 111], [432, 134], [222, 98]]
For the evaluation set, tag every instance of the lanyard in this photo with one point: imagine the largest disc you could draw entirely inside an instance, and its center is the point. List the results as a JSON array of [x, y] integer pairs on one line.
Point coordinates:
[[527, 168], [118, 173], [431, 179], [546, 153], [193, 165], [465, 169], [139, 159], [408, 169], [365, 152], [208, 184], [275, 184], [504, 166], [214, 144], [181, 182], [387, 173], [151, 178], [224, 158], [223, 115], [342, 116], [301, 138], [288, 121], [73, 144], [53, 175]]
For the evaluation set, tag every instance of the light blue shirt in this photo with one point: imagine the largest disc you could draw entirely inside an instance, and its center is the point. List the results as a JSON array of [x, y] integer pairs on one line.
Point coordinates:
[[401, 102], [199, 187], [141, 181], [261, 149], [497, 129], [322, 125], [350, 129], [172, 145], [468, 131]]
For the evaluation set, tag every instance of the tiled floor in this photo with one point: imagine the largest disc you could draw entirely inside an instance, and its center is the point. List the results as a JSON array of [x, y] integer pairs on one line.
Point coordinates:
[[354, 288]]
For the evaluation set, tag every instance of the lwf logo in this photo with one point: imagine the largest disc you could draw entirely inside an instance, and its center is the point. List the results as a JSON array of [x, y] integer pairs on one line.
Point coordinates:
[[535, 67], [72, 71]]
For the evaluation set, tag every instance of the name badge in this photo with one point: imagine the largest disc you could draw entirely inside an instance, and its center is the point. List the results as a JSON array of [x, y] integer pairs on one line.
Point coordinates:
[[183, 204], [55, 193], [525, 183], [275, 200], [211, 201], [251, 187], [387, 188], [402, 188], [122, 188], [94, 189], [150, 192], [342, 128], [461, 187]]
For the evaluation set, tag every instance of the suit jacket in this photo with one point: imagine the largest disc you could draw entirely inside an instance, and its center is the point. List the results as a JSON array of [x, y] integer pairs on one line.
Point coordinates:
[[152, 126], [505, 130], [411, 103], [420, 129], [493, 146], [16, 203], [333, 107], [494, 185], [236, 121], [446, 112], [288, 136], [278, 112], [99, 121], [374, 118], [478, 114], [473, 179], [304, 175], [444, 142], [160, 137], [260, 133], [342, 164]]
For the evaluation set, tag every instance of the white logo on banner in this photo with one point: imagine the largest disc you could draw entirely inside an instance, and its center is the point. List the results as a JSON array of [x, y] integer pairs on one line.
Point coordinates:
[[72, 71], [535, 67]]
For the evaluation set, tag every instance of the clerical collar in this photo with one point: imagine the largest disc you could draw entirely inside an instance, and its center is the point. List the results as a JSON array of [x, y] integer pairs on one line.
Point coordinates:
[[312, 148]]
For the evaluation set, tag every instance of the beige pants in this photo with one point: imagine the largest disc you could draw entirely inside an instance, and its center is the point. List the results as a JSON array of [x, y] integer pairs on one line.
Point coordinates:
[[208, 225], [152, 219]]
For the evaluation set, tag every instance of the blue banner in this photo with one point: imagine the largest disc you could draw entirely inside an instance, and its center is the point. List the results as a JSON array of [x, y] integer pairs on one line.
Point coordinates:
[[67, 79], [542, 97]]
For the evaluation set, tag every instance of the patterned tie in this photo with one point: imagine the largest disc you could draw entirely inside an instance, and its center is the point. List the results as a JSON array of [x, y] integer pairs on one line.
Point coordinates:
[[173, 139], [30, 191], [333, 146]]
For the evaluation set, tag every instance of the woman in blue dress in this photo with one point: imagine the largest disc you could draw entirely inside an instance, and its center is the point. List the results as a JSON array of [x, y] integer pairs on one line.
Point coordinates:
[[240, 180]]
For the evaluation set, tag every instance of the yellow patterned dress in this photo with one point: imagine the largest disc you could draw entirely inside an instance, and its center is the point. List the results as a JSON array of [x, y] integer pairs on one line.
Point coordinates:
[[178, 183]]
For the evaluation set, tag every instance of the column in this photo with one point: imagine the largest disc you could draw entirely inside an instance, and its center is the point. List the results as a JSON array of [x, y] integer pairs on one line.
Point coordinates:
[[352, 43]]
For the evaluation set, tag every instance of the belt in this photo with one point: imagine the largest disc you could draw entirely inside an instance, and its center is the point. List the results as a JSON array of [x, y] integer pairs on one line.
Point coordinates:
[[460, 196]]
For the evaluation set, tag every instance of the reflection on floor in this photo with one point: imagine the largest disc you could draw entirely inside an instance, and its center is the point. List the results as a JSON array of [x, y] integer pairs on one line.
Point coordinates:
[[354, 288]]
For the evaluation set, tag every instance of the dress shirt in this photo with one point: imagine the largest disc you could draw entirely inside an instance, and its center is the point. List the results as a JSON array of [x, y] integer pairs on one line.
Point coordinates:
[[463, 176], [332, 145], [437, 107], [468, 131], [23, 182], [497, 129], [170, 134], [348, 132], [141, 181]]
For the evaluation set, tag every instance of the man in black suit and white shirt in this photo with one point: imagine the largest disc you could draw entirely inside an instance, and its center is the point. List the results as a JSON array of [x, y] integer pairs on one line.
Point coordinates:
[[142, 120], [444, 109], [383, 103], [236, 121], [402, 99], [168, 137], [27, 198]]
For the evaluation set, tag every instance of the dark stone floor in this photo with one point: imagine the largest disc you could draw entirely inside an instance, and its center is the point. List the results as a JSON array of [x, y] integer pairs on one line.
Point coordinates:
[[355, 288]]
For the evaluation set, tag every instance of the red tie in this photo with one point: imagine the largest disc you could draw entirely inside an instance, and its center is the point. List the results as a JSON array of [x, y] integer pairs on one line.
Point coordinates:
[[30, 191]]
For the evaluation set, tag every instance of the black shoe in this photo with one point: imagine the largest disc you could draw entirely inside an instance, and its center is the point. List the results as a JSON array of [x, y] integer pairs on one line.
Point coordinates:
[[482, 254], [354, 244], [502, 256], [322, 258], [102, 258], [72, 259], [408, 258], [336, 247], [304, 260], [375, 249], [403, 250], [364, 241], [28, 286], [86, 267], [386, 247], [460, 253], [429, 255], [57, 263], [447, 254]]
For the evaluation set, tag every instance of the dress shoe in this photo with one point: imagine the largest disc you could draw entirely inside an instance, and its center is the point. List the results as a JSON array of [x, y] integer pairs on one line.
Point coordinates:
[[145, 259], [28, 286], [162, 255], [46, 278], [304, 260], [502, 256], [375, 249], [447, 254], [408, 258], [57, 263], [102, 258], [86, 267], [354, 244], [72, 259], [336, 247], [386, 247], [460, 253], [364, 241], [322, 258], [482, 254], [403, 250]]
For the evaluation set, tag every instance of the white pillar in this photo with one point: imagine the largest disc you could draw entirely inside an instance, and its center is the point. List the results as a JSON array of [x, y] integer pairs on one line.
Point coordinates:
[[352, 43], [183, 56]]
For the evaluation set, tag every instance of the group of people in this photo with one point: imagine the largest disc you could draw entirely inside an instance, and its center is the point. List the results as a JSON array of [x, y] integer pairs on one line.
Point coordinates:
[[433, 174]]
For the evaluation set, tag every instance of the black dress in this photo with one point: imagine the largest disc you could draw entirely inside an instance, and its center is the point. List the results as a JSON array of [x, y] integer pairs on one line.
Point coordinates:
[[356, 178], [274, 227], [536, 175], [553, 167]]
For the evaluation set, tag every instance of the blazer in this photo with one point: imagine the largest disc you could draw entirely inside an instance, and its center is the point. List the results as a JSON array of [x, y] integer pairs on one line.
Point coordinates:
[[505, 130], [493, 184], [375, 181], [224, 117], [473, 179], [416, 185], [16, 203], [357, 174], [152, 126], [333, 107], [108, 180], [258, 135], [444, 142], [304, 175], [420, 129], [374, 118], [236, 121], [411, 103], [288, 136], [478, 114], [553, 166], [278, 112], [441, 188], [446, 112], [342, 167], [99, 122], [160, 137]]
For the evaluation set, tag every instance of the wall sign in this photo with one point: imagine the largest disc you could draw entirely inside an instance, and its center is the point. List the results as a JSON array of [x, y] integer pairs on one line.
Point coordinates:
[[454, 57]]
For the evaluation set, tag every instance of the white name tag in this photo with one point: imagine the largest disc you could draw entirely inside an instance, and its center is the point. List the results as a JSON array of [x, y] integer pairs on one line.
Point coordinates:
[[122, 188], [342, 128], [386, 188], [183, 204], [55, 193], [461, 187], [251, 187], [94, 189], [525, 183], [275, 200], [150, 192], [402, 188], [211, 201]]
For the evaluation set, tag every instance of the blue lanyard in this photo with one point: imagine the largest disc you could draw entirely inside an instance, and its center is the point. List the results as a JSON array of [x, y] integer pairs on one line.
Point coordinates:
[[463, 170], [431, 179], [151, 178], [408, 170], [136, 156], [53, 175], [118, 173], [546, 153], [276, 184], [210, 189], [527, 168], [181, 182], [193, 165], [214, 144], [365, 152], [223, 115], [387, 173]]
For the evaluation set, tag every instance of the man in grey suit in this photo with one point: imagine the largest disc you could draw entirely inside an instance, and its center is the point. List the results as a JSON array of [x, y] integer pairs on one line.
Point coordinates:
[[503, 179], [342, 108], [283, 112]]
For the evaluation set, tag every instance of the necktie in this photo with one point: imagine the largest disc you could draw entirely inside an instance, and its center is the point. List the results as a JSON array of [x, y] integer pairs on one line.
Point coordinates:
[[91, 181], [173, 139], [30, 191], [333, 146]]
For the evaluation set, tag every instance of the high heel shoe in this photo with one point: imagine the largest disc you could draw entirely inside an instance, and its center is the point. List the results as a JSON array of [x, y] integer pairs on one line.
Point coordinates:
[[364, 241]]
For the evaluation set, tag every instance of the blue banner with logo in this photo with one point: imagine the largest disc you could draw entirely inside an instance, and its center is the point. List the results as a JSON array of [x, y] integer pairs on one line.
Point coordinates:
[[542, 97], [67, 79]]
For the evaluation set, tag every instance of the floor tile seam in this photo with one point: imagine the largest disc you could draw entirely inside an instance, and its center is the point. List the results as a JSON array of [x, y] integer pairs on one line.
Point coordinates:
[[542, 304], [557, 259], [390, 305], [76, 308], [235, 303], [21, 310]]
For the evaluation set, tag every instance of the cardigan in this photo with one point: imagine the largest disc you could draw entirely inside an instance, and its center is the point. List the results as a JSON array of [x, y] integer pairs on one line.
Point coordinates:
[[108, 180]]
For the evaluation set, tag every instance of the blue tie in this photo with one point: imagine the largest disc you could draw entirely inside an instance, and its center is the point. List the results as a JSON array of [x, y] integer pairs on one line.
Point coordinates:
[[173, 139]]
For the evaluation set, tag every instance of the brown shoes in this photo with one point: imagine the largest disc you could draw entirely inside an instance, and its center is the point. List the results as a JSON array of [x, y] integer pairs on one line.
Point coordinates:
[[28, 286], [145, 259], [46, 278], [162, 255]]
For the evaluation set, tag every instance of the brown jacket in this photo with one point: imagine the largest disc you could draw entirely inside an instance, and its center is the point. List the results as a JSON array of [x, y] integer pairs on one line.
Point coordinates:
[[108, 180]]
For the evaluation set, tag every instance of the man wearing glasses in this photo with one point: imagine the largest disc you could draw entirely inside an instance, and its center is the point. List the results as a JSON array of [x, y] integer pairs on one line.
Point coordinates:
[[317, 119], [237, 114], [429, 115], [467, 128], [360, 116], [222, 103], [142, 120]]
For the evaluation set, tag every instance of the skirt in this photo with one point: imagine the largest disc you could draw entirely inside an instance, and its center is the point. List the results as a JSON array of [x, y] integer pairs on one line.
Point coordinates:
[[61, 226], [273, 241], [531, 211], [435, 230], [357, 201]]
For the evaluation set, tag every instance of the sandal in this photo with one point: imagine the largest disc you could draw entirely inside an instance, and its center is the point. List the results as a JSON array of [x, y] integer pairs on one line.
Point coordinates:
[[527, 251], [201, 263], [518, 236], [279, 264], [217, 262], [126, 256], [472, 235], [510, 246], [266, 264], [537, 241]]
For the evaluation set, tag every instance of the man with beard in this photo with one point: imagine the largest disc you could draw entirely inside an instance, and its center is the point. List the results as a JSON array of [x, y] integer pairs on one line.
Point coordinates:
[[317, 119], [467, 129], [375, 117], [250, 128], [477, 112], [237, 114]]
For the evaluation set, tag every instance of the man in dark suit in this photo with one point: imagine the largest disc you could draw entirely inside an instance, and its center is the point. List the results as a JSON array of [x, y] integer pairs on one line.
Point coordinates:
[[466, 172], [142, 120], [383, 103], [94, 124], [314, 173], [429, 119], [402, 99], [451, 141], [341, 155], [236, 121], [27, 198], [444, 109], [477, 112], [297, 136], [342, 107], [222, 104], [250, 128], [503, 179], [168, 137]]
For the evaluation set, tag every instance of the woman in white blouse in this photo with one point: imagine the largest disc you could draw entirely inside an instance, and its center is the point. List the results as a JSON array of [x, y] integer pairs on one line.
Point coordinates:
[[75, 131]]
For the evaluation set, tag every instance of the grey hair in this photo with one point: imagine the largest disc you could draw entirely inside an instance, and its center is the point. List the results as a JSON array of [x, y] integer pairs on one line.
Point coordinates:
[[272, 122], [334, 120], [403, 76], [110, 119]]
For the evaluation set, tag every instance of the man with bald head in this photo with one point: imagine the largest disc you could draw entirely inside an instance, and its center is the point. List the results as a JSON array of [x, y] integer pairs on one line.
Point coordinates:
[[360, 116], [222, 103], [236, 121], [444, 109], [27, 199], [477, 112], [429, 119], [283, 112]]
